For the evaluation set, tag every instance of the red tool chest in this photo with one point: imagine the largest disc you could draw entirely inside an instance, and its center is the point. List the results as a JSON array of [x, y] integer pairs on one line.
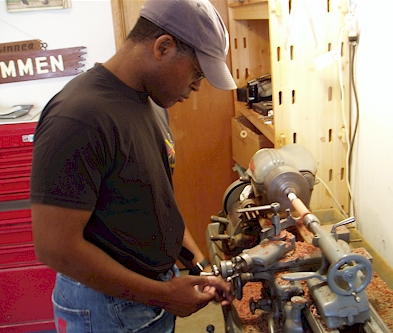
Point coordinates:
[[25, 283]]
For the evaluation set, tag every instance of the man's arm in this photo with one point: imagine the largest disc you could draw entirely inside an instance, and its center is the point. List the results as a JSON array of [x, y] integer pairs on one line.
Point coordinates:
[[59, 243], [189, 243], [220, 295]]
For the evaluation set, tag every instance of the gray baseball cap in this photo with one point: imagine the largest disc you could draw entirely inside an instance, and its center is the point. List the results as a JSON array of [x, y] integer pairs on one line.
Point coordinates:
[[198, 24]]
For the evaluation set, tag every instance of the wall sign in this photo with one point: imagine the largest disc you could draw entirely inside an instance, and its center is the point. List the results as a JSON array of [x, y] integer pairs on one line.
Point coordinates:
[[28, 61], [22, 46], [27, 5]]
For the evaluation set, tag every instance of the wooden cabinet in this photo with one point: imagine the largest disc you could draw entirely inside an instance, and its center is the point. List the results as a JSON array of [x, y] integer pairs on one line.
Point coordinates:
[[285, 38], [26, 284]]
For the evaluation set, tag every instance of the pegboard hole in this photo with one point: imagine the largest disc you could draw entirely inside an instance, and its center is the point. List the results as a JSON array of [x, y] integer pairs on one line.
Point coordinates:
[[278, 53], [294, 137], [237, 73], [329, 47], [330, 175], [330, 94], [280, 97], [328, 6], [235, 43], [247, 73], [290, 5], [342, 174], [330, 135], [293, 96], [245, 42], [291, 52]]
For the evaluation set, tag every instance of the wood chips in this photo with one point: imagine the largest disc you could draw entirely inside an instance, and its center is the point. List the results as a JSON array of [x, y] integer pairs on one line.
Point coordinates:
[[379, 295]]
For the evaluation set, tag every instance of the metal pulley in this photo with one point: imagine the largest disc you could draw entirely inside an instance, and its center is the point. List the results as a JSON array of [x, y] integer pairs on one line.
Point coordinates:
[[285, 179]]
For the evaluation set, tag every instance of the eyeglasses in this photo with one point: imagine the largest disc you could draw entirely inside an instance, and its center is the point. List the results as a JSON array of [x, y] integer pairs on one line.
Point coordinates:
[[199, 74]]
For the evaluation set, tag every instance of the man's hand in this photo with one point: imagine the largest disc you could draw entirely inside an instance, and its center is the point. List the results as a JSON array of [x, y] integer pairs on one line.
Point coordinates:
[[215, 288], [188, 294]]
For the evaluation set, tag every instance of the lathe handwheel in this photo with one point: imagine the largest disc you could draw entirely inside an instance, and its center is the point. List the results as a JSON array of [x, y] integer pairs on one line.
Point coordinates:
[[342, 276]]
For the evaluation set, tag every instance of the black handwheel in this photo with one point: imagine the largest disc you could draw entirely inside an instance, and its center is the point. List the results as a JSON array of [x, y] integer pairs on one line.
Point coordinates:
[[210, 328], [342, 276]]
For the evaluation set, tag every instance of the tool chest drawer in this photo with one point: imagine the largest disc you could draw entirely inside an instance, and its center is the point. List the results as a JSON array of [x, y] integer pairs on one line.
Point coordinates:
[[17, 255], [17, 135], [15, 234], [25, 283], [22, 215], [16, 172], [16, 156], [16, 151], [14, 188], [25, 295]]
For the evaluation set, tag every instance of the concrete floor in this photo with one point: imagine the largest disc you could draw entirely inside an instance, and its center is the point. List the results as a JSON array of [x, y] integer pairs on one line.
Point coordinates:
[[197, 322]]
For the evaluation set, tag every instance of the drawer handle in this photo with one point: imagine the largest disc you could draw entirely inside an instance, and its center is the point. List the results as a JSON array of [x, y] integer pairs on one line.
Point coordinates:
[[28, 138]]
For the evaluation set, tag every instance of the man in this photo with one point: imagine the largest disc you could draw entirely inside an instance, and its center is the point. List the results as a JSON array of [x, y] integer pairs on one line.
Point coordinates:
[[104, 212]]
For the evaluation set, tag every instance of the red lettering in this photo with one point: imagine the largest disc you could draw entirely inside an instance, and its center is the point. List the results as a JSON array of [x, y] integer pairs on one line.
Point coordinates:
[[61, 325]]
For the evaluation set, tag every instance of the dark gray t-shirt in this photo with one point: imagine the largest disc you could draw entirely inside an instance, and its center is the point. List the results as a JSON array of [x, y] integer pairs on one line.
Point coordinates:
[[99, 146]]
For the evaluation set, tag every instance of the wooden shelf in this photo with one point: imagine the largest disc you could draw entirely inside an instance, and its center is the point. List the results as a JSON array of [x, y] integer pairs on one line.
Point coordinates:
[[307, 103], [250, 10], [257, 120]]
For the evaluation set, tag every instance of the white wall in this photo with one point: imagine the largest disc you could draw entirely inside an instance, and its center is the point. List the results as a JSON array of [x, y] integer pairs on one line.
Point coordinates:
[[373, 163], [87, 23]]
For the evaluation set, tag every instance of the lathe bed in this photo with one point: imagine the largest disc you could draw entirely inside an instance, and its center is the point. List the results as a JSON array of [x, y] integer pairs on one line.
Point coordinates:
[[378, 291]]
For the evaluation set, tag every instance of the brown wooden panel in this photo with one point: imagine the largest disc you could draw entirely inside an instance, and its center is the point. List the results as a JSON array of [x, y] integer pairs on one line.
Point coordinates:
[[202, 130], [125, 13], [118, 22]]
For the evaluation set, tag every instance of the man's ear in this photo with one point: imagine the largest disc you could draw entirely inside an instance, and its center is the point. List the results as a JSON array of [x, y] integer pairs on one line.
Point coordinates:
[[164, 45]]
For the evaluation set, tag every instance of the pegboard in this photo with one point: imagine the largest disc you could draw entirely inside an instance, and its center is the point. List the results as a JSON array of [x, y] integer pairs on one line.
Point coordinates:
[[283, 38]]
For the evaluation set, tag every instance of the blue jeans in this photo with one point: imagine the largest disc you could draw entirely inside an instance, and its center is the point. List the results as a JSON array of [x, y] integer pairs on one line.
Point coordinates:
[[80, 309]]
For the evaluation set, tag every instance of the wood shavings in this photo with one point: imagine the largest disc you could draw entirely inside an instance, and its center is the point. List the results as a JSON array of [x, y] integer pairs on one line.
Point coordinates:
[[301, 250], [256, 323], [381, 298], [379, 295]]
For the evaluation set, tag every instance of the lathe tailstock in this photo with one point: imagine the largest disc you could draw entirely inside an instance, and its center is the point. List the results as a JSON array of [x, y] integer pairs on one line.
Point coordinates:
[[312, 286]]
